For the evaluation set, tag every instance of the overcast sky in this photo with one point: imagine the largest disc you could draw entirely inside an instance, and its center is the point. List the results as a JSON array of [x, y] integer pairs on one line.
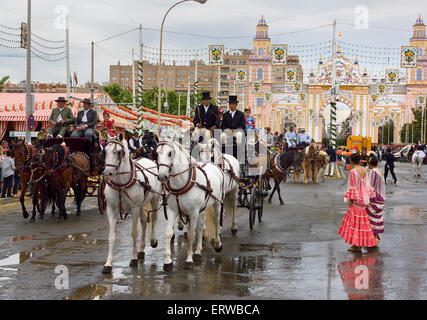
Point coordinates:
[[390, 24]]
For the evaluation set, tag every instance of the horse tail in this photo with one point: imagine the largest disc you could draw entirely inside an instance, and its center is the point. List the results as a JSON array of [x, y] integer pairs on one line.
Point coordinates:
[[210, 223], [50, 197]]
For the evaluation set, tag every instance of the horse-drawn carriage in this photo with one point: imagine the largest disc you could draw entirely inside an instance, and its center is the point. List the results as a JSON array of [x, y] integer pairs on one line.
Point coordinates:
[[252, 184], [95, 184]]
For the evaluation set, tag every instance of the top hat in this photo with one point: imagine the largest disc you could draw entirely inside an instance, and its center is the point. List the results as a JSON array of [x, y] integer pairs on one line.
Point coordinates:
[[61, 99], [87, 101], [232, 99], [206, 95]]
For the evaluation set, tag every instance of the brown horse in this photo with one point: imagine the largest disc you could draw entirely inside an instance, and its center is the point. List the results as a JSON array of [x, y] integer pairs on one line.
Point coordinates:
[[26, 156], [40, 187], [278, 169], [63, 172]]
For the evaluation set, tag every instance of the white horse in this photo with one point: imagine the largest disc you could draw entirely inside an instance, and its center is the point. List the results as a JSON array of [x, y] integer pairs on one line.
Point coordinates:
[[193, 187], [417, 162], [212, 152], [130, 187]]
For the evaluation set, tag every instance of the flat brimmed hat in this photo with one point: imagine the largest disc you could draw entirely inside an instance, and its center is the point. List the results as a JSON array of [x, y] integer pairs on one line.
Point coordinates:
[[61, 99], [232, 99], [87, 101], [206, 95]]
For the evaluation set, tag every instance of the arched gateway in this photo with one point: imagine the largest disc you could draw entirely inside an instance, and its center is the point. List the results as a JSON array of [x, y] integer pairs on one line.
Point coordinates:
[[356, 91]]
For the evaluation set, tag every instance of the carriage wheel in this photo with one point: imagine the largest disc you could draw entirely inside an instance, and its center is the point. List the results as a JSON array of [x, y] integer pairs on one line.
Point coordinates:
[[102, 202], [252, 208]]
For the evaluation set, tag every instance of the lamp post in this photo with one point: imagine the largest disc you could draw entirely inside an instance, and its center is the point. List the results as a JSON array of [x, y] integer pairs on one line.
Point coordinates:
[[160, 58]]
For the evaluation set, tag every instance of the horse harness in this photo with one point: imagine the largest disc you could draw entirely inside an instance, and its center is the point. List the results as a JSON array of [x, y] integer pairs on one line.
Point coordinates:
[[191, 182], [122, 188]]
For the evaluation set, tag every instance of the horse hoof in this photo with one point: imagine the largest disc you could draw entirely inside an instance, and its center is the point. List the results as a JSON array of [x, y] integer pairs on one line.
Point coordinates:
[[41, 217], [153, 243], [25, 214], [180, 227], [269, 201], [133, 263], [33, 219], [218, 250], [282, 203], [188, 265], [233, 231], [168, 267], [173, 238], [141, 255], [78, 215], [107, 269], [185, 235], [197, 257]]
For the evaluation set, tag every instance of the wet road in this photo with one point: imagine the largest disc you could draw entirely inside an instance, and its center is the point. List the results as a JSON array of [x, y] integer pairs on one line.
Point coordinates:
[[295, 253]]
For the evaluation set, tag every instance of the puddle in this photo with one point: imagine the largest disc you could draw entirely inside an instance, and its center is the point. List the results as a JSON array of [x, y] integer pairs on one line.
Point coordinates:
[[16, 258], [406, 215], [89, 292]]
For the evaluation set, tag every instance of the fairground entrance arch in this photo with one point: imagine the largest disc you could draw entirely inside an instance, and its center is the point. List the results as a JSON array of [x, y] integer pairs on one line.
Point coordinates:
[[306, 109]]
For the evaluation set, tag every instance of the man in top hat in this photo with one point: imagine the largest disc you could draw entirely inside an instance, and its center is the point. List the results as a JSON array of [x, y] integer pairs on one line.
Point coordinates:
[[206, 115], [85, 121], [233, 119], [60, 119], [303, 139]]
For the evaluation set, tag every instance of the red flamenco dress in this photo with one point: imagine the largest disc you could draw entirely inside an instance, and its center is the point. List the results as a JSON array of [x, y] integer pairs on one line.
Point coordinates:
[[356, 228]]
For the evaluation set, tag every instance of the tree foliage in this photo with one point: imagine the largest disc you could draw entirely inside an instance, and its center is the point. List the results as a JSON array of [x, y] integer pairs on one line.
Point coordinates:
[[149, 98], [2, 82], [414, 126]]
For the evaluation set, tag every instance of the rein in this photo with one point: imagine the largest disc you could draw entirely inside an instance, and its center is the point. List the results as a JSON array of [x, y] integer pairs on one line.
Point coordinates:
[[121, 188]]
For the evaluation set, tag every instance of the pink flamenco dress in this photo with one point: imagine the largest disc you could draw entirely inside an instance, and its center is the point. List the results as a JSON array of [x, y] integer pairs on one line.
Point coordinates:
[[356, 228]]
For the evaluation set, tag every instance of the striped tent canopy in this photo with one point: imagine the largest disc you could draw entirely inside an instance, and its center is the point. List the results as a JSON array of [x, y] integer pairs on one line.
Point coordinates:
[[12, 109]]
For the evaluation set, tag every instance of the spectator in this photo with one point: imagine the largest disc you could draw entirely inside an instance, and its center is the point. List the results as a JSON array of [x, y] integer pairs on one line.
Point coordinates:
[[389, 166], [8, 167]]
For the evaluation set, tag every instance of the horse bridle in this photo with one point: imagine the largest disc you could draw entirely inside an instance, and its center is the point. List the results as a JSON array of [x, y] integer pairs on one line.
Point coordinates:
[[169, 144], [121, 153]]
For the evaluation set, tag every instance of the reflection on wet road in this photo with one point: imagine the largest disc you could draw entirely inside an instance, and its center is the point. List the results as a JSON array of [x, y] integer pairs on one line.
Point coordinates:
[[295, 253]]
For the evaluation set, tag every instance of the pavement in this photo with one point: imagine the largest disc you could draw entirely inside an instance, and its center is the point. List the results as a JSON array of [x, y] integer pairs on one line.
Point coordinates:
[[294, 253]]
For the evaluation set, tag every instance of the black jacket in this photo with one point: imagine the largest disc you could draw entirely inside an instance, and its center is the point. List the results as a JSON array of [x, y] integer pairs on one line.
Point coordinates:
[[92, 118], [208, 120], [389, 158], [332, 154], [237, 122]]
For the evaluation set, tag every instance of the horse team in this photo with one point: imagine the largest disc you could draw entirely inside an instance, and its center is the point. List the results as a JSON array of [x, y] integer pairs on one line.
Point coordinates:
[[190, 192]]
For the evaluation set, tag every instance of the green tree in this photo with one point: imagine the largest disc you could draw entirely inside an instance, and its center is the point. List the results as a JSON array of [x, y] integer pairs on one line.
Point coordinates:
[[414, 126], [2, 82], [118, 94], [386, 133]]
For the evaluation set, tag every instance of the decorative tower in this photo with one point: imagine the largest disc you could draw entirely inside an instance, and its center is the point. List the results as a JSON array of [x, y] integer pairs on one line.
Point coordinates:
[[416, 78], [418, 75], [260, 71]]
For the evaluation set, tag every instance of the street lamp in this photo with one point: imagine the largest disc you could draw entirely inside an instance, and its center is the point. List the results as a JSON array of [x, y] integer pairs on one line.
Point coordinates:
[[160, 58]]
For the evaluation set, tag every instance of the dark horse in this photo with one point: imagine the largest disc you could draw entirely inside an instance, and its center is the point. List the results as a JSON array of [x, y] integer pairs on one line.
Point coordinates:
[[63, 172], [279, 166], [25, 155]]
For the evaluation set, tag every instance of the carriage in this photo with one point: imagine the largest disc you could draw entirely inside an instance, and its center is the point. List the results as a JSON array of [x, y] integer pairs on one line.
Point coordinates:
[[95, 183], [253, 185]]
